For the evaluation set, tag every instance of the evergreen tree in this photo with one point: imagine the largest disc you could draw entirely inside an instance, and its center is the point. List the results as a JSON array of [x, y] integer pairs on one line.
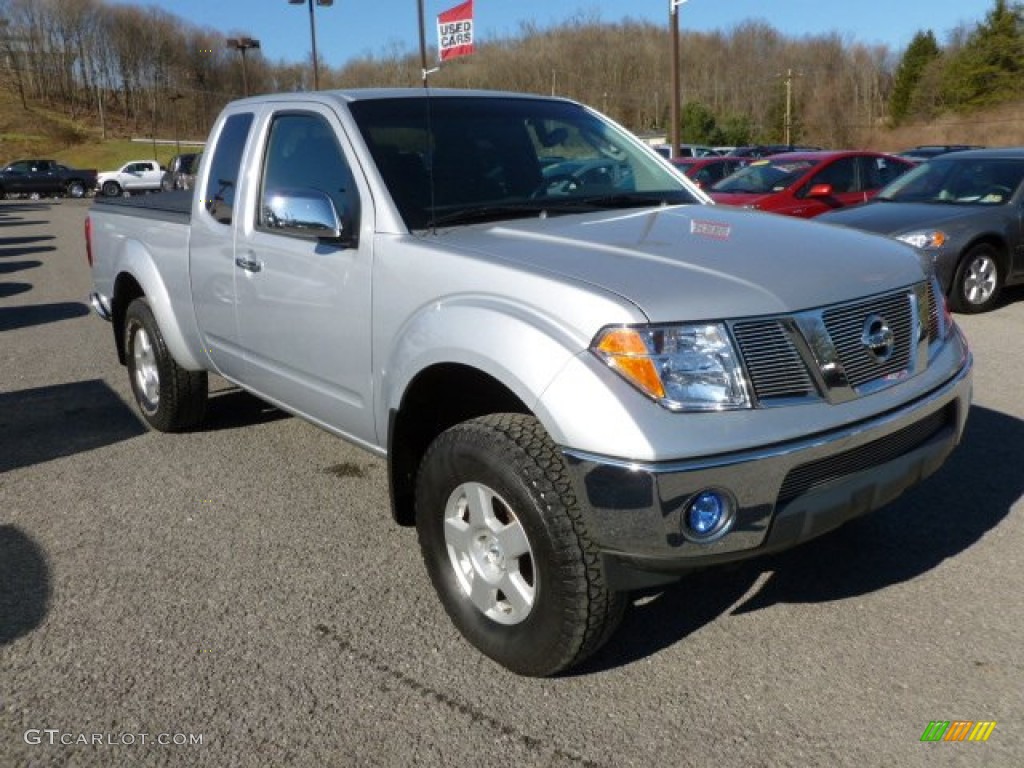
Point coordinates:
[[921, 52], [989, 67], [698, 124]]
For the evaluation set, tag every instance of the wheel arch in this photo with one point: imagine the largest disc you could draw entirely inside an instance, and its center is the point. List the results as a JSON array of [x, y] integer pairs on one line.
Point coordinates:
[[138, 276], [437, 398]]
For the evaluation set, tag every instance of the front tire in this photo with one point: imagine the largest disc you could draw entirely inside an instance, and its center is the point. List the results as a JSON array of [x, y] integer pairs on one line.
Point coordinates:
[[978, 280], [170, 398], [506, 546], [111, 189]]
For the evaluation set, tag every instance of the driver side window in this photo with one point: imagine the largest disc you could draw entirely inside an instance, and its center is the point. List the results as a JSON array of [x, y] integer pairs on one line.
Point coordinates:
[[303, 153]]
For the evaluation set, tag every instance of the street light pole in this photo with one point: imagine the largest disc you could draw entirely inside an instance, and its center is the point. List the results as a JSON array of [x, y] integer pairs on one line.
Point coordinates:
[[312, 35], [673, 17], [174, 98], [243, 44]]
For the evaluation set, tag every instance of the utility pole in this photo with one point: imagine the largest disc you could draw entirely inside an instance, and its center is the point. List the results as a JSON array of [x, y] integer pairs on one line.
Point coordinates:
[[788, 124], [789, 103], [673, 18]]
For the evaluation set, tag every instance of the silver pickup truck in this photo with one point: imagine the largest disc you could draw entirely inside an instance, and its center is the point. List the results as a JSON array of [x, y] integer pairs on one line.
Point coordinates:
[[584, 378]]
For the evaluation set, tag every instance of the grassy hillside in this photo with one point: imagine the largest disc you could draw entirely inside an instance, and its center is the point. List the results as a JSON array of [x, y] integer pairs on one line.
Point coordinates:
[[46, 133], [41, 132]]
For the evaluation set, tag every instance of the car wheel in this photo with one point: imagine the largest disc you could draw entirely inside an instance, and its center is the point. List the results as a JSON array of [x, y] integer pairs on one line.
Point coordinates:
[[111, 189], [506, 546], [978, 280], [171, 398], [76, 189]]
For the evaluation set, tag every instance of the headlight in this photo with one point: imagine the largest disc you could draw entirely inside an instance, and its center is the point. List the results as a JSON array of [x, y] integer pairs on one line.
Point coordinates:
[[682, 367], [925, 238], [945, 316]]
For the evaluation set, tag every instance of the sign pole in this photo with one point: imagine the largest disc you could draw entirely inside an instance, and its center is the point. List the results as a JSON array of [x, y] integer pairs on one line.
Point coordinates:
[[423, 44]]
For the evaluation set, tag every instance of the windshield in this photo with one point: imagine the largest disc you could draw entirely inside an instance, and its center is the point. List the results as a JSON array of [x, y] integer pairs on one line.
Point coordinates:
[[965, 181], [453, 160], [764, 176]]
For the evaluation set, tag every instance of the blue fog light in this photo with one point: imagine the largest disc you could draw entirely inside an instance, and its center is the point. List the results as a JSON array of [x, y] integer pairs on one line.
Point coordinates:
[[709, 513]]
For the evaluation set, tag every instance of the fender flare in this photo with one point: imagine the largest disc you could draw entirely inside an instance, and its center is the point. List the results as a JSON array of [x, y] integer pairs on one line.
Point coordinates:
[[136, 262], [524, 349]]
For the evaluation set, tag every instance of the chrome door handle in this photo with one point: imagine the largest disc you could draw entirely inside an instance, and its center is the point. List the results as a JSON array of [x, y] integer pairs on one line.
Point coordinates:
[[249, 265]]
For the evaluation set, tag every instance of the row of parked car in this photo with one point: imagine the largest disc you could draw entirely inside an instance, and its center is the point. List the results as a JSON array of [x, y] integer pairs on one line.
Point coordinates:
[[48, 178], [962, 207]]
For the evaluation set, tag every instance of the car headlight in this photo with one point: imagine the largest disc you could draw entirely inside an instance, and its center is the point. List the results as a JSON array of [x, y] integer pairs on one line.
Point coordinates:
[[925, 238], [682, 367]]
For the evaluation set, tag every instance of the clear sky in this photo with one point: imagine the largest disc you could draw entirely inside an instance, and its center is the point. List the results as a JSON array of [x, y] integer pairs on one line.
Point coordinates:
[[352, 28]]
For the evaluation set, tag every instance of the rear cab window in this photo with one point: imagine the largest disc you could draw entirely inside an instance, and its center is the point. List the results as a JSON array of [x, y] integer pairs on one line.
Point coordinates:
[[225, 167]]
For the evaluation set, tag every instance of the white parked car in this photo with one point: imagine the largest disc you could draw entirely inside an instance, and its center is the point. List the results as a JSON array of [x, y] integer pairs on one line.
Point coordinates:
[[136, 176]]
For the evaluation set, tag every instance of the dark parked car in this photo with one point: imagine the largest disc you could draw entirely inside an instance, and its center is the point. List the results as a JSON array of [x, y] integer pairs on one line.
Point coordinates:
[[807, 184], [965, 211], [705, 171], [40, 178], [181, 171], [927, 151]]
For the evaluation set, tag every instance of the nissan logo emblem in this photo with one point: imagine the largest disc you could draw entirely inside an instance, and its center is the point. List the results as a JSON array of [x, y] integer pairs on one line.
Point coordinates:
[[878, 338]]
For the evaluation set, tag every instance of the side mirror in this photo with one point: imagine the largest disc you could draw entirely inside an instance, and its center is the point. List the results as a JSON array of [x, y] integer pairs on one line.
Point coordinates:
[[820, 190], [306, 213]]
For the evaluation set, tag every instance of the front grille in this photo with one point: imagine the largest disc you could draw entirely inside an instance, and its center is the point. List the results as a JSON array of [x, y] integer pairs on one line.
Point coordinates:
[[823, 353], [846, 326], [932, 312], [773, 364], [817, 474]]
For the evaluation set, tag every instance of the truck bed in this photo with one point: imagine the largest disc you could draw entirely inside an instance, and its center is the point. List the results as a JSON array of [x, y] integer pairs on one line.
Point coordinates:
[[173, 206]]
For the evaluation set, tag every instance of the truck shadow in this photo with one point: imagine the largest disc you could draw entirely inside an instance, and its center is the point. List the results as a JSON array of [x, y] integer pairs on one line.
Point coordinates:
[[948, 513], [24, 584], [234, 408], [45, 423], [10, 267], [11, 210], [26, 250], [39, 314]]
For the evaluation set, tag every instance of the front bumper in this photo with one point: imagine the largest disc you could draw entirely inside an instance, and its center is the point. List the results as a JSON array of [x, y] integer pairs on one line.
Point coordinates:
[[786, 493]]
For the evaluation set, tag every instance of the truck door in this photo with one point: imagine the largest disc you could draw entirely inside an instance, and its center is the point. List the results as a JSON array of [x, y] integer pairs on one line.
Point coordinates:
[[20, 178], [212, 249], [303, 304]]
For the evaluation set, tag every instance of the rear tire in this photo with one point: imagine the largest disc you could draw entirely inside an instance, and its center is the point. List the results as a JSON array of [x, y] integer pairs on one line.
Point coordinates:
[[111, 189], [76, 189], [170, 398], [978, 280], [506, 546]]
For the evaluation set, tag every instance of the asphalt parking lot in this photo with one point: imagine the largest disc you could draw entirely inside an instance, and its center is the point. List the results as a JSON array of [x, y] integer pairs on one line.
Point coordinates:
[[240, 596]]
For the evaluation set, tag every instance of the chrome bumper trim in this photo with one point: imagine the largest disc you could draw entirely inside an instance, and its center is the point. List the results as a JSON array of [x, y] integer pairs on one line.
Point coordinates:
[[634, 508], [100, 305]]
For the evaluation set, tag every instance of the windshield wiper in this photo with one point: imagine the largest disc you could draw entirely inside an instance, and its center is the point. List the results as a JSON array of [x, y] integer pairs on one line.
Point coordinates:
[[484, 213], [578, 204]]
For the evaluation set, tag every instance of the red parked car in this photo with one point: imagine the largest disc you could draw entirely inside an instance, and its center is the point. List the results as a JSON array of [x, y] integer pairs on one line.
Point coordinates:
[[705, 171], [808, 183]]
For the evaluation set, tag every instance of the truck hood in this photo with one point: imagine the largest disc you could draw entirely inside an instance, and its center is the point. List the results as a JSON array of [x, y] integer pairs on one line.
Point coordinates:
[[701, 262], [896, 218]]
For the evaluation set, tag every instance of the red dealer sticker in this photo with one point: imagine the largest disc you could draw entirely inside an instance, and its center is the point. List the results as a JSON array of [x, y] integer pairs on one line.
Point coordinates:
[[712, 229]]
